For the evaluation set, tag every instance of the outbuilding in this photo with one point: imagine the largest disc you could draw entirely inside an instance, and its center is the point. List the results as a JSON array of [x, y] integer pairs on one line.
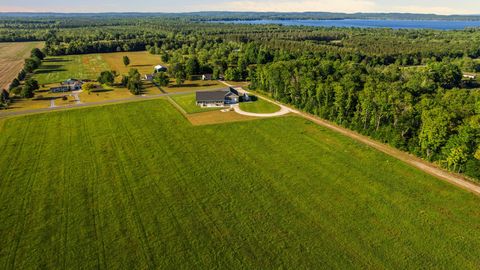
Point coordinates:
[[160, 68]]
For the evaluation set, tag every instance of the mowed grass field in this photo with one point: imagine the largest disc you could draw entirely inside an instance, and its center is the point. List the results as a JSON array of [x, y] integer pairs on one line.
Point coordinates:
[[136, 186], [12, 56], [56, 69]]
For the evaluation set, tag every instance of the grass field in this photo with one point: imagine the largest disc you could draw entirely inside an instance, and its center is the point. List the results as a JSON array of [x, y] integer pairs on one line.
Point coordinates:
[[188, 103], [12, 56], [88, 66], [259, 106], [137, 186], [60, 68]]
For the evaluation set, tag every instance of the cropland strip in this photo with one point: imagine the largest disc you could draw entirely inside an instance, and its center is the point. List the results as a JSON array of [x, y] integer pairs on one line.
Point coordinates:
[[12, 56]]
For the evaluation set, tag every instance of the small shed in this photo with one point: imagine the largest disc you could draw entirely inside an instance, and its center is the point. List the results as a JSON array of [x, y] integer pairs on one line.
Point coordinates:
[[149, 77], [207, 77], [471, 76], [160, 68]]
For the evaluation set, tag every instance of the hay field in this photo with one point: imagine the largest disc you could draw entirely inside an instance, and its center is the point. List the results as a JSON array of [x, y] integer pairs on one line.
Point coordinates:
[[12, 56]]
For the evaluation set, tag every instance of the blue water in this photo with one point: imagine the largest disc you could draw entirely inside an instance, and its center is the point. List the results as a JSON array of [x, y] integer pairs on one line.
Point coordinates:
[[394, 24]]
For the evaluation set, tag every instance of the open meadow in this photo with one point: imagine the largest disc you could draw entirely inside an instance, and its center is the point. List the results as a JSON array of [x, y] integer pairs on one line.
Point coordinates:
[[12, 56], [56, 69], [137, 186]]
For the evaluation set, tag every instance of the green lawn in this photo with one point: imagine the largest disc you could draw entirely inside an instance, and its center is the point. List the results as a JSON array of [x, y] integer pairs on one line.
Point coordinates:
[[56, 69], [259, 106], [135, 186], [187, 102]]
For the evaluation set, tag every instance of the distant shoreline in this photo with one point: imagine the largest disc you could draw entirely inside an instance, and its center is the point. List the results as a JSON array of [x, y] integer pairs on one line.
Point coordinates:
[[249, 16], [364, 23]]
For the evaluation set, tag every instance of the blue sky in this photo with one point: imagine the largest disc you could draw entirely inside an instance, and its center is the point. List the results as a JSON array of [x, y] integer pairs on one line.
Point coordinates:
[[417, 6]]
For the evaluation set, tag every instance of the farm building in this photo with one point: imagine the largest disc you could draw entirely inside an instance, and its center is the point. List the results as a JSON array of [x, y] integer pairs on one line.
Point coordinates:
[[160, 68], [207, 77], [472, 76], [218, 98], [148, 77]]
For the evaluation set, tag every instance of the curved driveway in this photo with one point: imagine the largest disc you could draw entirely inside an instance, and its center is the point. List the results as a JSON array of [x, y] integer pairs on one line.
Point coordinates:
[[283, 110]]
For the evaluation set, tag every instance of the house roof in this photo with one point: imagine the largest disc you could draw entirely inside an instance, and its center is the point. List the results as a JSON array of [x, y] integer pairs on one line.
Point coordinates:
[[217, 95]]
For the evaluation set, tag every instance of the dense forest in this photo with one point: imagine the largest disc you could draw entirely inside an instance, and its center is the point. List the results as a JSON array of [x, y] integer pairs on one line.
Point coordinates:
[[402, 87]]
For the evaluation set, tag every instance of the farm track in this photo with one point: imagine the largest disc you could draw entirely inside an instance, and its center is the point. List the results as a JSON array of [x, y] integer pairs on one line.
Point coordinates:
[[20, 226], [94, 179], [130, 195]]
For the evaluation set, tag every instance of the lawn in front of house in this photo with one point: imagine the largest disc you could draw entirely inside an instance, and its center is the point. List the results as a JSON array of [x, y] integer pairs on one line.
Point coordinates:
[[259, 105]]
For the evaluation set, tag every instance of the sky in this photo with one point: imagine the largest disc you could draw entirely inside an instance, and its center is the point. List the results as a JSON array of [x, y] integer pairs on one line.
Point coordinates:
[[413, 6]]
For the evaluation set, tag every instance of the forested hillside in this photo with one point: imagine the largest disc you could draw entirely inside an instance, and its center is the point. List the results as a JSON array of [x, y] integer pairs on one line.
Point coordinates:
[[403, 87]]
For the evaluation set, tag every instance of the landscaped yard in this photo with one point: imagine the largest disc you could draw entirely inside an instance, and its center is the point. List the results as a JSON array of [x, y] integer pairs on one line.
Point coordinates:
[[187, 102], [259, 106], [137, 186]]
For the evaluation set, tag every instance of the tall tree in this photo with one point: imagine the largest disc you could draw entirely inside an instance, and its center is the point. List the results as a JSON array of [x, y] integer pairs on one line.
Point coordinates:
[[106, 77]]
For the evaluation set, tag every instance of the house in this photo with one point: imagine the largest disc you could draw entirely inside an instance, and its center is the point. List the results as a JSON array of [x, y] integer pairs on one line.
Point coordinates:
[[160, 68], [149, 77], [68, 85], [218, 98], [207, 77], [471, 76], [73, 84], [60, 89]]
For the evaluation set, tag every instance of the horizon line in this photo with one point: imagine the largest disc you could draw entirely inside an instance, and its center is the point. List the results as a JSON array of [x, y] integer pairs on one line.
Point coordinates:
[[231, 11]]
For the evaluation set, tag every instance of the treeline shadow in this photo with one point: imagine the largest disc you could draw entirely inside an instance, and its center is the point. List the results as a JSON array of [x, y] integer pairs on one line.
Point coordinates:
[[56, 60]]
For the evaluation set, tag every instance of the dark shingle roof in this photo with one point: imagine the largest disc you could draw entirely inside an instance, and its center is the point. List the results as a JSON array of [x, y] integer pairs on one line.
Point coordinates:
[[218, 95]]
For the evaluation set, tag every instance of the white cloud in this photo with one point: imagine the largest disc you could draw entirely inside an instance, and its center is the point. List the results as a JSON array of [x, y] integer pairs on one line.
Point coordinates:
[[296, 6]]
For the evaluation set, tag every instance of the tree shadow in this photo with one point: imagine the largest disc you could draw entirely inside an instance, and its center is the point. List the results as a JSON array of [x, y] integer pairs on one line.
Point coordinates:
[[101, 90], [47, 71], [146, 65], [185, 85], [56, 60]]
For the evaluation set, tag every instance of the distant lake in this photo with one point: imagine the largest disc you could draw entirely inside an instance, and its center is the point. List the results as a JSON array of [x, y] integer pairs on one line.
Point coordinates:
[[395, 24]]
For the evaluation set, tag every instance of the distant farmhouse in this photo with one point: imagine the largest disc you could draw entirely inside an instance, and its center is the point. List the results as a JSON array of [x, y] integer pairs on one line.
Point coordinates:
[[471, 76], [159, 68], [220, 98], [68, 85]]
